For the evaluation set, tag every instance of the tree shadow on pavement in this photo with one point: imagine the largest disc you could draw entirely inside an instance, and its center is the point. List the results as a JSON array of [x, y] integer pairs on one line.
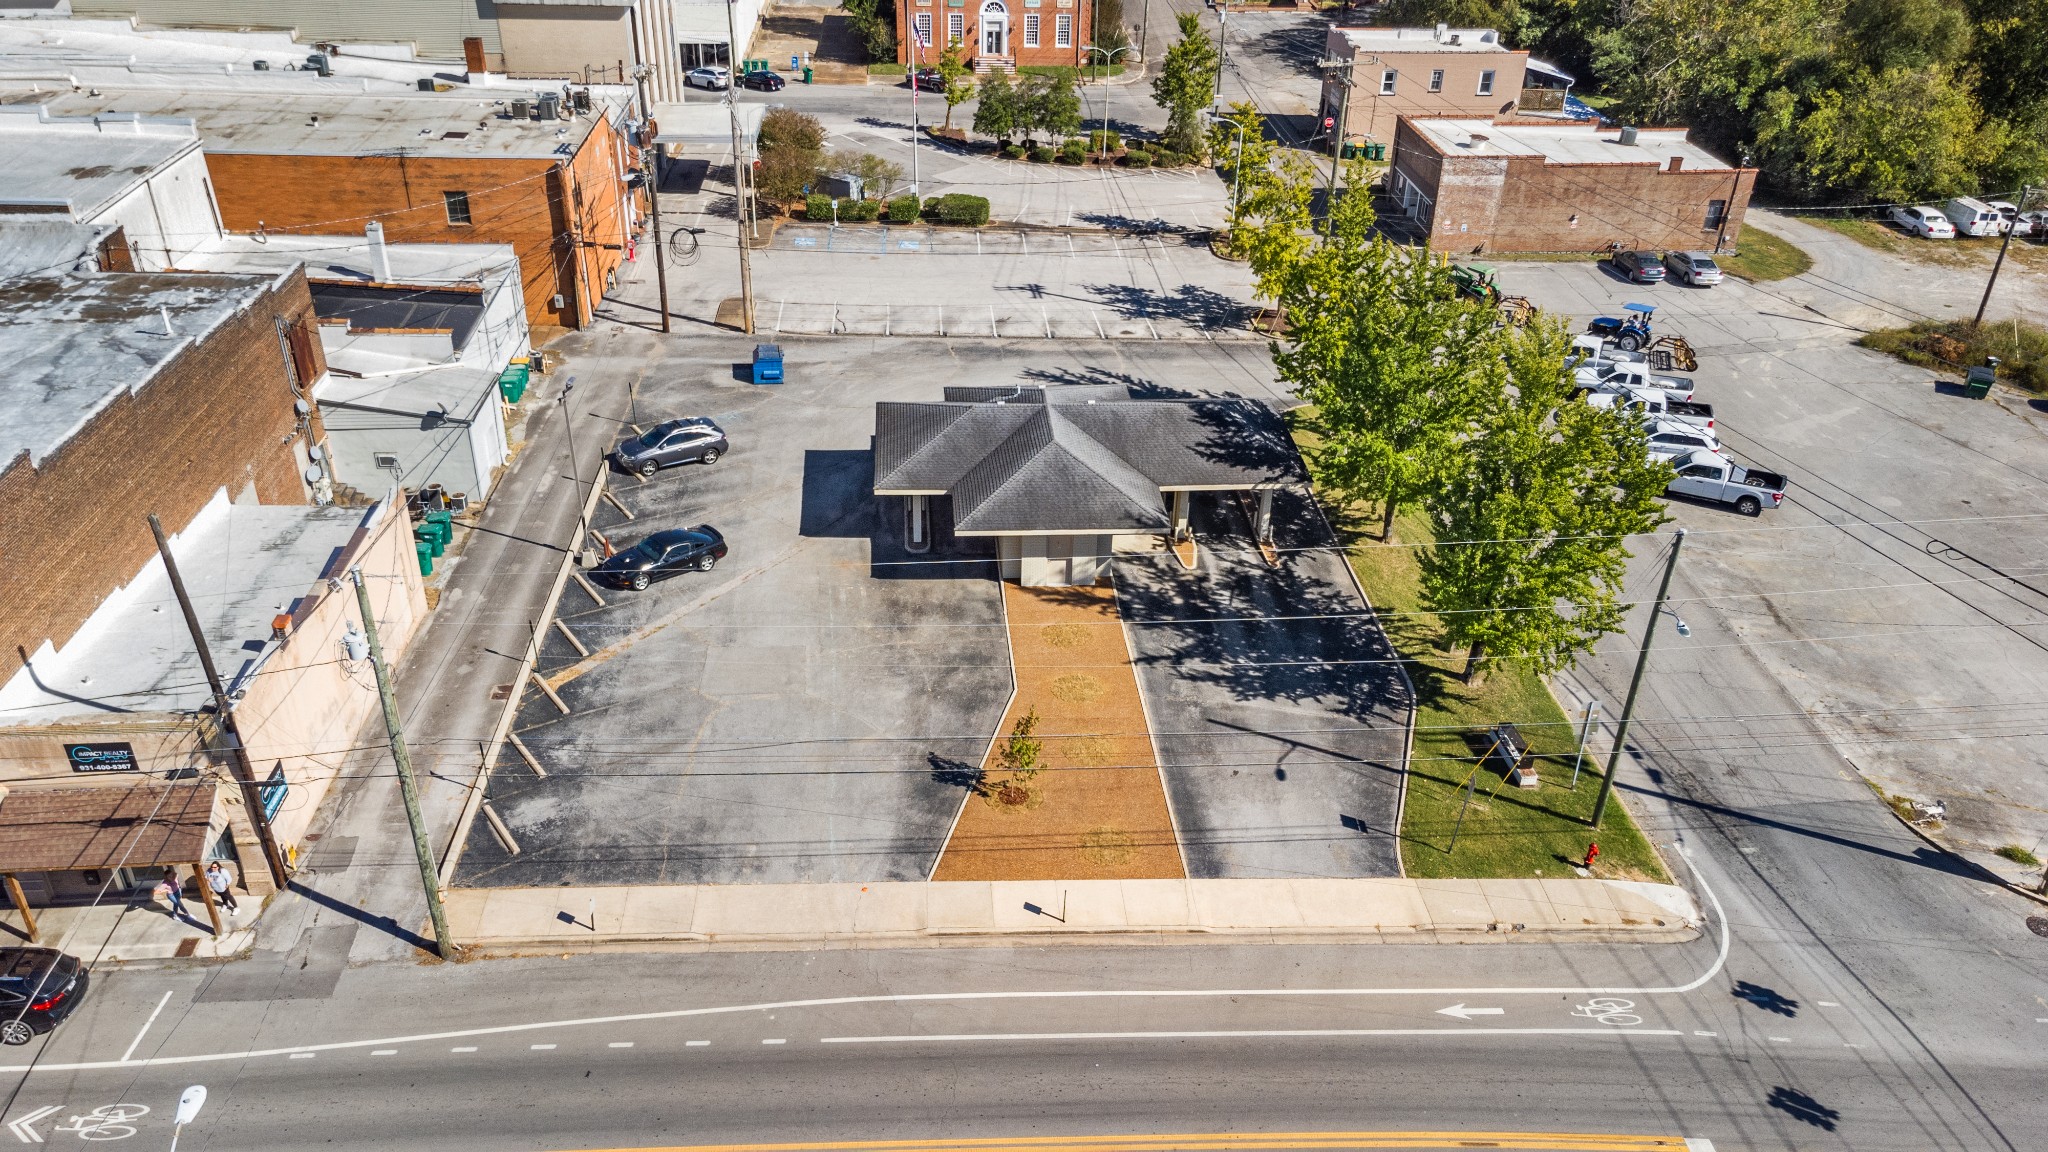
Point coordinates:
[[1201, 308], [1800, 1106], [1768, 999]]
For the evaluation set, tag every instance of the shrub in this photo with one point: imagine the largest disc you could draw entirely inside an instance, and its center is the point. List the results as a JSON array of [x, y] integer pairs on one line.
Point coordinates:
[[1073, 152], [1013, 151], [1138, 159], [1167, 158], [1100, 141], [789, 128], [903, 210], [958, 208], [2020, 856], [818, 207], [2020, 345], [859, 211], [1041, 154]]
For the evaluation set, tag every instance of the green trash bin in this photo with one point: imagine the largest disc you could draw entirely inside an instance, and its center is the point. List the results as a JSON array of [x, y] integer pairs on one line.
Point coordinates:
[[429, 537], [512, 382], [1978, 385], [808, 75], [1375, 151], [425, 552]]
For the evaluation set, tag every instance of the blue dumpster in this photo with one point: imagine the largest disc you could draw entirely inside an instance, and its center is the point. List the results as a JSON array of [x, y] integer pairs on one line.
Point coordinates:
[[767, 364]]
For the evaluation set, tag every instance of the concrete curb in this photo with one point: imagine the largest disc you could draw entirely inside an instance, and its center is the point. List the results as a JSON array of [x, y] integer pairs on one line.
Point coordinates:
[[1007, 913], [1966, 862]]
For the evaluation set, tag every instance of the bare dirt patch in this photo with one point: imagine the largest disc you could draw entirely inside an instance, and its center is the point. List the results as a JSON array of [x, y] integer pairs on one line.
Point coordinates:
[[1097, 809]]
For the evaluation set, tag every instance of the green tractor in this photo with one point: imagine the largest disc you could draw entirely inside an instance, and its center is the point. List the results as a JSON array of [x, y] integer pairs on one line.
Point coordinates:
[[1477, 282]]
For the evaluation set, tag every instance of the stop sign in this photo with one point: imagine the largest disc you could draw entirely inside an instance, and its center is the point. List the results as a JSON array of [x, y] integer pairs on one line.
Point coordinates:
[[1329, 121]]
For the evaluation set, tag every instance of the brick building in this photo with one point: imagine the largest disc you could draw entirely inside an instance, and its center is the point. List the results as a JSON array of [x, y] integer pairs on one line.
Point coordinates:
[[432, 168], [1477, 186], [996, 33], [1396, 72], [106, 414]]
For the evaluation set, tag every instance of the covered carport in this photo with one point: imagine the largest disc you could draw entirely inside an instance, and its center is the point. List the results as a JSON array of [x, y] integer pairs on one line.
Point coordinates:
[[113, 832]]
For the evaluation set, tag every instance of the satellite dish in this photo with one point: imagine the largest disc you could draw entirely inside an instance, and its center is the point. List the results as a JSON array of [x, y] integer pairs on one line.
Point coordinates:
[[315, 452], [312, 475]]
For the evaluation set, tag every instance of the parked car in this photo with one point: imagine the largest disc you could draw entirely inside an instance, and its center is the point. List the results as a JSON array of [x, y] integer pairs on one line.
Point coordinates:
[[39, 987], [2015, 223], [1695, 268], [1671, 440], [1651, 405], [1631, 376], [1639, 267], [693, 440], [716, 79], [1712, 476], [762, 80], [2033, 224], [930, 80], [1973, 217], [662, 555], [1923, 221]]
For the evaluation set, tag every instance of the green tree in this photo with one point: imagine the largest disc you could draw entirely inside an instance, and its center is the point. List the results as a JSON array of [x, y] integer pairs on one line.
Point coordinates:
[[1903, 134], [1531, 525], [878, 176], [789, 128], [1020, 756], [1054, 104], [954, 71], [1185, 84], [1243, 153], [1109, 31], [1395, 366], [792, 154], [998, 113]]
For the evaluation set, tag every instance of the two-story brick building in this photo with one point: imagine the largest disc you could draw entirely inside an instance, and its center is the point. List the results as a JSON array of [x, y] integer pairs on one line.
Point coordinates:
[[1396, 72], [997, 34], [1556, 186]]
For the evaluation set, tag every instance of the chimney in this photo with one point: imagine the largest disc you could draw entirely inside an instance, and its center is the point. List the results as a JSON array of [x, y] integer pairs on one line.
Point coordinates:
[[473, 54], [380, 257], [1677, 162], [1440, 30]]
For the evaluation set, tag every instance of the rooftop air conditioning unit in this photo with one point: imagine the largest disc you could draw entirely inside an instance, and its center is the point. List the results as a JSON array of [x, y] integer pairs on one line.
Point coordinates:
[[1628, 135]]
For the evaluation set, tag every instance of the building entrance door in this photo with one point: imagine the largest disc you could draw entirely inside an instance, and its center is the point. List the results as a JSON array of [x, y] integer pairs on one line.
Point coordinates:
[[995, 29]]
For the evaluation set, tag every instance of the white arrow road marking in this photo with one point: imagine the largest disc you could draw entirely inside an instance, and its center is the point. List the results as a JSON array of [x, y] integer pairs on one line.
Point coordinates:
[[20, 1124], [1464, 1013]]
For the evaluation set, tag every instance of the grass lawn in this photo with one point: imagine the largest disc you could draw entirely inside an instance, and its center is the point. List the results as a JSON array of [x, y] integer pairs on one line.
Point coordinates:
[[1761, 256], [1508, 831], [2022, 348]]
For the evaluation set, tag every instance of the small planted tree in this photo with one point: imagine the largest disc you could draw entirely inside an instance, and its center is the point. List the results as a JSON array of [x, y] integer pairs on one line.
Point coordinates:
[[878, 176], [1185, 84], [1019, 758], [1238, 142], [997, 114], [1056, 104], [954, 71]]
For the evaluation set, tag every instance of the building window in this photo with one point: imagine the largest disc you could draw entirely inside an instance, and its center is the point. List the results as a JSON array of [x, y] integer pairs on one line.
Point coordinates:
[[1387, 82], [1063, 31], [1031, 29], [924, 29], [1486, 82], [956, 27], [457, 204], [1436, 80], [1717, 213]]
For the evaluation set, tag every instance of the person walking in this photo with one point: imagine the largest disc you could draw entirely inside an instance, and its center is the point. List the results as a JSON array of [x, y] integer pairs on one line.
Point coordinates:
[[222, 882], [173, 892]]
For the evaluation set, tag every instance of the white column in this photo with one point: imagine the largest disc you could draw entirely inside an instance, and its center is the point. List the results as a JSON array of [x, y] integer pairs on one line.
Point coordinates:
[[1263, 528], [920, 523], [1181, 504]]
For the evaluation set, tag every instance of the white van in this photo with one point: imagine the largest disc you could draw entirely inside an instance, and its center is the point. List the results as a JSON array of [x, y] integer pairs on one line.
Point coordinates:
[[1974, 217]]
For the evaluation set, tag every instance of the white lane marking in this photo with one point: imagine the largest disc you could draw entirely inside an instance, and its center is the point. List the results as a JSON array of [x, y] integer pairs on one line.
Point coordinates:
[[1852, 1045], [1696, 1033], [1827, 1004], [137, 1042], [696, 1043], [1311, 1033], [540, 1047], [1712, 970], [774, 1041], [1780, 1039], [1463, 1013], [385, 1052], [620, 1044], [304, 1055], [472, 1048], [20, 1124]]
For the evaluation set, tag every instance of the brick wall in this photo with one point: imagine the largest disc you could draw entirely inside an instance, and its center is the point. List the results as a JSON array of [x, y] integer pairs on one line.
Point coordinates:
[[1016, 13], [516, 201], [1372, 114], [218, 415]]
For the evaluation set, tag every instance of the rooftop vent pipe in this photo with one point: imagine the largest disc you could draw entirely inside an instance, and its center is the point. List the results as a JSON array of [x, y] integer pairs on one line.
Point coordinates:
[[380, 256]]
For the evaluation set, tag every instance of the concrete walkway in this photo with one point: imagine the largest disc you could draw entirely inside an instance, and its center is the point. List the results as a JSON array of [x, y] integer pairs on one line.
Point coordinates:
[[900, 914], [141, 930]]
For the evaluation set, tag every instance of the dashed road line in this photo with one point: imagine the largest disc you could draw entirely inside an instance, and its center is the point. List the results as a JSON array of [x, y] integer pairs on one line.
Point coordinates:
[[471, 1048], [696, 1043], [540, 1047], [304, 1055], [620, 1044], [385, 1052], [775, 1041]]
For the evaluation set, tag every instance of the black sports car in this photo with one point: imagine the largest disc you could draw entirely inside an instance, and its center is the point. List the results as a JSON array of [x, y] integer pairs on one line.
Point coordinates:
[[662, 555]]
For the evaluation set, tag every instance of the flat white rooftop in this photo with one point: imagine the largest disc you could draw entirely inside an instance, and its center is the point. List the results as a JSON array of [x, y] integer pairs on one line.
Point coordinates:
[[347, 258], [97, 52], [73, 167], [1565, 143], [1423, 40], [242, 566]]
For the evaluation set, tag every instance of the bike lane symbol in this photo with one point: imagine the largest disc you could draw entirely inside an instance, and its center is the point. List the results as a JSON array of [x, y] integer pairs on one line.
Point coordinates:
[[106, 1122], [1609, 1010]]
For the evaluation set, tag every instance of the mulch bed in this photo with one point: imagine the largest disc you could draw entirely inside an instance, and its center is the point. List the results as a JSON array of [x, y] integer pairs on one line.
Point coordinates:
[[1098, 809]]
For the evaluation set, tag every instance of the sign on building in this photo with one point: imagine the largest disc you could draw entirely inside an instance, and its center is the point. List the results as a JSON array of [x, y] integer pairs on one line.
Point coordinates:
[[101, 757]]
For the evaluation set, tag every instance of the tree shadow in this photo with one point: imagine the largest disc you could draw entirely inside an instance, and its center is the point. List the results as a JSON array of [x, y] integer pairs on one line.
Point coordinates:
[[1204, 309], [957, 774], [1800, 1106], [878, 122], [1132, 226], [1298, 44], [1768, 999]]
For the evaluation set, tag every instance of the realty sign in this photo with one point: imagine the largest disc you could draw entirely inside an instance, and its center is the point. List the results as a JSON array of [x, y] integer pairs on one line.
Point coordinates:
[[101, 757]]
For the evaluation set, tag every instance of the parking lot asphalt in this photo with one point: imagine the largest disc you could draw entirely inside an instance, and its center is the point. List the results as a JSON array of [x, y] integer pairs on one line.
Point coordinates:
[[1279, 714], [800, 713]]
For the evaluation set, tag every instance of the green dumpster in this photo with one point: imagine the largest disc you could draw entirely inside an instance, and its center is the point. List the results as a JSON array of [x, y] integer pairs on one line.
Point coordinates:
[[425, 552], [512, 382], [808, 75], [1978, 386], [429, 537]]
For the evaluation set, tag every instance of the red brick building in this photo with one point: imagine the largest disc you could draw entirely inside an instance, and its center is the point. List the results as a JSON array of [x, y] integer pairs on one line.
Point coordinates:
[[106, 414], [995, 33], [1475, 186]]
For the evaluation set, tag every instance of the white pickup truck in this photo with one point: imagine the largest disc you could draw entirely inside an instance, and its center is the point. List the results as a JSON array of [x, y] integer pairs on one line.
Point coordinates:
[[1711, 476], [1653, 405], [1613, 376], [1673, 440]]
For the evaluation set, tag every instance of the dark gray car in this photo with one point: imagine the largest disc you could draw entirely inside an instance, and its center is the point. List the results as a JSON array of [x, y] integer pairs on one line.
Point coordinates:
[[693, 440]]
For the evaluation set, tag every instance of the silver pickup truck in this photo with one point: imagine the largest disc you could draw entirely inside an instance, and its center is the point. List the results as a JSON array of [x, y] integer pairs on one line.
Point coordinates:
[[1708, 475]]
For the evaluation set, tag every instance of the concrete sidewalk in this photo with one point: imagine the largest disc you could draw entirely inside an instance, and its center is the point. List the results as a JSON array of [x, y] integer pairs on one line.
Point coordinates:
[[140, 929], [900, 914]]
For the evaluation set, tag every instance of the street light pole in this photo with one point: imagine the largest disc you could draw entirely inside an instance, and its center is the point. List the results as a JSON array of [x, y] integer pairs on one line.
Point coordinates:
[[1237, 164], [2000, 262], [651, 170], [1628, 708], [1108, 57], [739, 173]]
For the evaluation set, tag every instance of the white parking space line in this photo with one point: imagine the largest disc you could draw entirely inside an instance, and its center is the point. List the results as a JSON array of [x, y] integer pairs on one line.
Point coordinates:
[[135, 1043]]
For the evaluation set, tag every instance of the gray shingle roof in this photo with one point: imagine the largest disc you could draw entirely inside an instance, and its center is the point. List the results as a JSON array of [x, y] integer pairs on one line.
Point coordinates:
[[1030, 465]]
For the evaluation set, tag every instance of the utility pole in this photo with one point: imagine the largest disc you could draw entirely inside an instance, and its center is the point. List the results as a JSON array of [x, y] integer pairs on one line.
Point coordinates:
[[1337, 141], [739, 172], [650, 167], [1734, 191], [1628, 708], [245, 777], [407, 786], [2000, 262]]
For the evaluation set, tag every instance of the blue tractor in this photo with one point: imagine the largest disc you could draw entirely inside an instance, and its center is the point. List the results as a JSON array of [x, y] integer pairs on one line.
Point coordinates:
[[1631, 333]]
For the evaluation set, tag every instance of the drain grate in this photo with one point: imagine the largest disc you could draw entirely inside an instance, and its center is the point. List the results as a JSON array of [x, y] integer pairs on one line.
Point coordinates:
[[2038, 925]]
